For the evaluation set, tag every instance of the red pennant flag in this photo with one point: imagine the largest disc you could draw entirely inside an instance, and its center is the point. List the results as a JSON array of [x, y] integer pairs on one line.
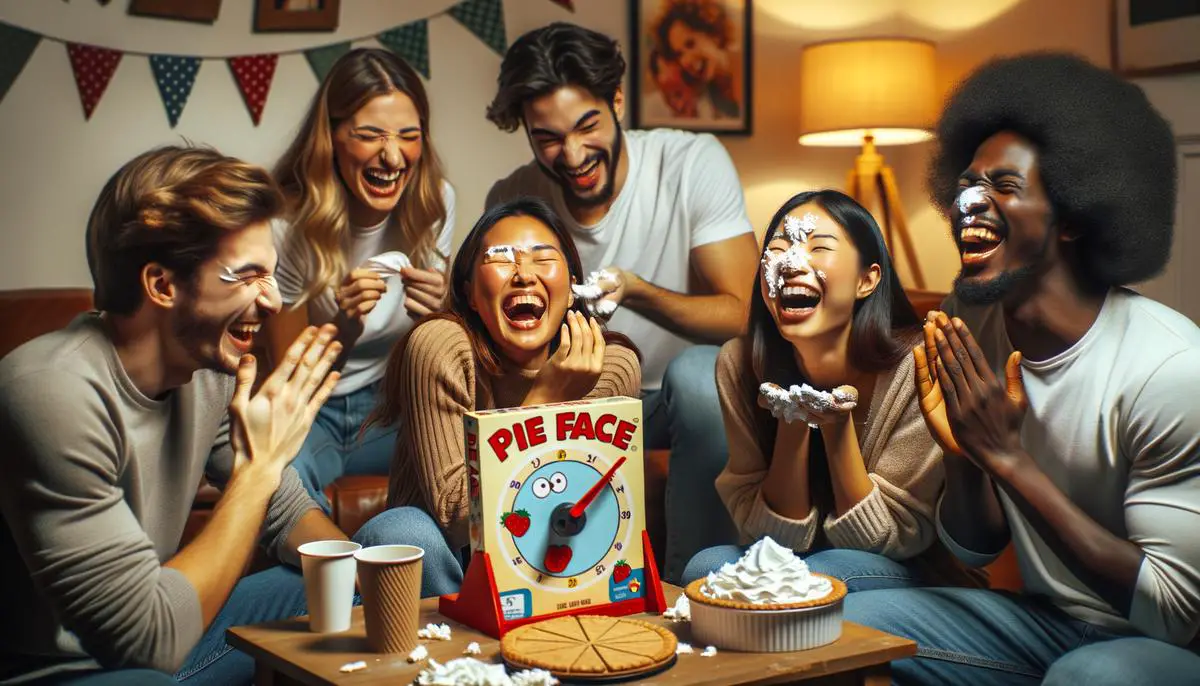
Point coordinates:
[[253, 74], [93, 68]]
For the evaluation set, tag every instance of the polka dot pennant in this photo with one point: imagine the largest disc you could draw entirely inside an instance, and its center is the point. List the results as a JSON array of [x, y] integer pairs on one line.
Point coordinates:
[[93, 68], [253, 74], [485, 19], [175, 77], [411, 43]]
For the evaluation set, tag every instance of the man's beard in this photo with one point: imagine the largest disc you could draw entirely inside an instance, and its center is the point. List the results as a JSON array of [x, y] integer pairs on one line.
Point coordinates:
[[195, 334], [974, 292], [610, 159]]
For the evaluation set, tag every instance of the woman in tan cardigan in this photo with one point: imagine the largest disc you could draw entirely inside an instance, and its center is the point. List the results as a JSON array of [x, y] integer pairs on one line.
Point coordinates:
[[513, 335], [859, 476]]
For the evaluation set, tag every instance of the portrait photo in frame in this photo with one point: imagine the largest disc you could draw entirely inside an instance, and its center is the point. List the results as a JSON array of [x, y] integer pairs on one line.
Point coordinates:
[[691, 65], [295, 15], [1156, 37]]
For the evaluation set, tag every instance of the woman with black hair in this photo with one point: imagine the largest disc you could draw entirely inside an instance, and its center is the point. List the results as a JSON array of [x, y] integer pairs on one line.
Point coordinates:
[[854, 468], [513, 335]]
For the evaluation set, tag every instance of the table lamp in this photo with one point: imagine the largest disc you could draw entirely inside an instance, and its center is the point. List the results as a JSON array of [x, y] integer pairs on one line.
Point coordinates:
[[870, 92]]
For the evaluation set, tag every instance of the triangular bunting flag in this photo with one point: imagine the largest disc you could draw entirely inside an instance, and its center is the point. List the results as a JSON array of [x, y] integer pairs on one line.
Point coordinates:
[[485, 19], [321, 59], [175, 77], [93, 68], [411, 42], [16, 45], [564, 3], [253, 74]]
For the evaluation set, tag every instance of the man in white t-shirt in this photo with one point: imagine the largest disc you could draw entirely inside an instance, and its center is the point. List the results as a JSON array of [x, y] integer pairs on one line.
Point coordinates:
[[662, 213], [1065, 403]]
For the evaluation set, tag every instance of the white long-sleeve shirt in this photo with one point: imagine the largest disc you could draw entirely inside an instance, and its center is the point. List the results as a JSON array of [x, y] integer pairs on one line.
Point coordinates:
[[1114, 421]]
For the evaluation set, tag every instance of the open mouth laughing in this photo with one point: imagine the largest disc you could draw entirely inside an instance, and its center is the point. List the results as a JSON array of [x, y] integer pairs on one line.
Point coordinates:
[[978, 242], [586, 177], [382, 182], [798, 301], [524, 311], [242, 335]]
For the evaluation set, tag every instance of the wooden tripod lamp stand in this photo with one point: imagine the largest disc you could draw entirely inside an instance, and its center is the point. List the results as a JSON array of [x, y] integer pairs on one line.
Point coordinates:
[[871, 92]]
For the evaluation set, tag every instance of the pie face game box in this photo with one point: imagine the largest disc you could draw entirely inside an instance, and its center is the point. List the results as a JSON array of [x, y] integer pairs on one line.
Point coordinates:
[[557, 520]]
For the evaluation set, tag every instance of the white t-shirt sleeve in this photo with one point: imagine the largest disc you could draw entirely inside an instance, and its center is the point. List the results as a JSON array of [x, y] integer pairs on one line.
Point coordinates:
[[713, 193], [1162, 500], [446, 232], [291, 272]]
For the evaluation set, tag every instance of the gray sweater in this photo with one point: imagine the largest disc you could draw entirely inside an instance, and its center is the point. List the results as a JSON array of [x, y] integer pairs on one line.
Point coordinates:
[[96, 482]]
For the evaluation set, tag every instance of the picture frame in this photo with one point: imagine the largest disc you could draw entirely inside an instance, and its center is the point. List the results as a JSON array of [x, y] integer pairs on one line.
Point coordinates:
[[295, 15], [1153, 37], [691, 65], [201, 11]]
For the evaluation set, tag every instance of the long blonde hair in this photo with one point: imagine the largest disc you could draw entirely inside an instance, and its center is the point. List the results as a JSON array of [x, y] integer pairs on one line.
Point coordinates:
[[317, 197]]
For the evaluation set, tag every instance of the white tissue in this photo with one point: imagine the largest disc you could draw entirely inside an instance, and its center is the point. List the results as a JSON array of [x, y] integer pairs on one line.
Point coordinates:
[[388, 263]]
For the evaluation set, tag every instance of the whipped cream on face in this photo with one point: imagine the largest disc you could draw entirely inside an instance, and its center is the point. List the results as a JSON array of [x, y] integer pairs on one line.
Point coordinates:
[[767, 573]]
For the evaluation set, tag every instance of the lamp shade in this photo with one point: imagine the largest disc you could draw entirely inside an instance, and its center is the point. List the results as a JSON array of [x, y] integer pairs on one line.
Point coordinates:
[[881, 87]]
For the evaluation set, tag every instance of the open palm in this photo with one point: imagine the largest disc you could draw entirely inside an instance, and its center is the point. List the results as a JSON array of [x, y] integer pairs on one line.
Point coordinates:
[[929, 395]]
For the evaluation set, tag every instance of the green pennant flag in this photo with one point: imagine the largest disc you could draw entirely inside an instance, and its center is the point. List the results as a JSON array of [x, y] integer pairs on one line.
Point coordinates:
[[321, 59], [16, 46], [411, 43], [485, 19]]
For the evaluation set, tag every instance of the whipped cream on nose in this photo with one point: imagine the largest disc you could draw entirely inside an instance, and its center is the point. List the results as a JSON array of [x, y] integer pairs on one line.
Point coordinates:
[[967, 198]]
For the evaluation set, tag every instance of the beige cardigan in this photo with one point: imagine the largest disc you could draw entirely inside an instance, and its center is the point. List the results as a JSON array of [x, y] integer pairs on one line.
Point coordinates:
[[441, 384], [896, 519]]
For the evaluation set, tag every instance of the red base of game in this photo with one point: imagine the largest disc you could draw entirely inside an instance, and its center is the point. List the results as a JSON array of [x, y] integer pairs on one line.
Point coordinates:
[[477, 603]]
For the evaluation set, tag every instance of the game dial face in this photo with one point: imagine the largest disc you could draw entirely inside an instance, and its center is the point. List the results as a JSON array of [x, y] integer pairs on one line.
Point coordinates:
[[556, 557]]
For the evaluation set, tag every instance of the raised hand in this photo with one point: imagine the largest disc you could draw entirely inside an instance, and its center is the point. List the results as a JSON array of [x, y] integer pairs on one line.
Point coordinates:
[[984, 414], [359, 293], [424, 291], [268, 428], [809, 405], [573, 369]]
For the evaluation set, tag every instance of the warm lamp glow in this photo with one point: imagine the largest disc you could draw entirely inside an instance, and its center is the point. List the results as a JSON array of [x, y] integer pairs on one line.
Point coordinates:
[[884, 88]]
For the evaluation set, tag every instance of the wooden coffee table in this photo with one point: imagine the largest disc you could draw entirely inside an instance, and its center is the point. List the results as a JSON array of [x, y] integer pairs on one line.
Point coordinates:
[[287, 653]]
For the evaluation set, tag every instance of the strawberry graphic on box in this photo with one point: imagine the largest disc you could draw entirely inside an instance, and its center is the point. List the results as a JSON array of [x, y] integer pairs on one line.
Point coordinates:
[[516, 522], [621, 571], [557, 558]]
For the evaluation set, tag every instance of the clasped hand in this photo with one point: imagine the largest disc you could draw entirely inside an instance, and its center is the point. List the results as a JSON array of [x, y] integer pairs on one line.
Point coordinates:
[[968, 410]]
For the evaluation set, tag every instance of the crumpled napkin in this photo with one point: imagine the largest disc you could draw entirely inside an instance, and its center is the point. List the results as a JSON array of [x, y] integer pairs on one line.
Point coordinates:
[[388, 264], [797, 402], [591, 293]]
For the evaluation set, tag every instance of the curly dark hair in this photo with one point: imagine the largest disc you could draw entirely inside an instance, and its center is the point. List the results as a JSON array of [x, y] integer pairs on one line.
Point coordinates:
[[1106, 156], [546, 59], [705, 16]]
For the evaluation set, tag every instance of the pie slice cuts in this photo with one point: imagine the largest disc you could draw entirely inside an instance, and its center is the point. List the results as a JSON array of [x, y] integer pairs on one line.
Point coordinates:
[[590, 647]]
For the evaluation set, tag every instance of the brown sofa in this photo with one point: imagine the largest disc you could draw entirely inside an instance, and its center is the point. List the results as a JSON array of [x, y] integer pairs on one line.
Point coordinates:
[[25, 314]]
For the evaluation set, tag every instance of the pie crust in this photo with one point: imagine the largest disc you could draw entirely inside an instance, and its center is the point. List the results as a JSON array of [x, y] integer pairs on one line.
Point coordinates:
[[695, 595], [589, 647]]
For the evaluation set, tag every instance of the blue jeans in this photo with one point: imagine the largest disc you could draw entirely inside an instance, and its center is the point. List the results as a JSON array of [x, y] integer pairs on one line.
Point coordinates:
[[862, 571], [975, 636], [685, 416], [441, 568], [334, 448]]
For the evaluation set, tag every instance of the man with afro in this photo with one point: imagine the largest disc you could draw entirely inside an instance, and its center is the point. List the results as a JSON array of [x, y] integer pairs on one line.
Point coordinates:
[[1064, 401]]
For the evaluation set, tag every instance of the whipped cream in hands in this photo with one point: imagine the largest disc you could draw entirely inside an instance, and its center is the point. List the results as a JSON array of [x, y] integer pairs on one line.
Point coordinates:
[[767, 574], [593, 290], [799, 403]]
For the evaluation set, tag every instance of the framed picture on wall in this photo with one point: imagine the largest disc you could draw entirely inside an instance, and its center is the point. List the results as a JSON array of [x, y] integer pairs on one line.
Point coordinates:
[[204, 11], [691, 65], [1156, 36], [295, 15]]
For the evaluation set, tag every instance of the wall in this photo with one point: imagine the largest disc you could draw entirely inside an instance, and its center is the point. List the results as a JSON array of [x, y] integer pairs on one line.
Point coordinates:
[[55, 162]]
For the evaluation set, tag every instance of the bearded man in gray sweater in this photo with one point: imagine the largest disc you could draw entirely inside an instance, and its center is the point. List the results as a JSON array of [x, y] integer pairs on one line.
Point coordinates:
[[108, 425]]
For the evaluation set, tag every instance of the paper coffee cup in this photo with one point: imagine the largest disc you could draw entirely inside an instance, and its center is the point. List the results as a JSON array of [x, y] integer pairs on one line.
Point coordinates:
[[328, 583], [389, 579]]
